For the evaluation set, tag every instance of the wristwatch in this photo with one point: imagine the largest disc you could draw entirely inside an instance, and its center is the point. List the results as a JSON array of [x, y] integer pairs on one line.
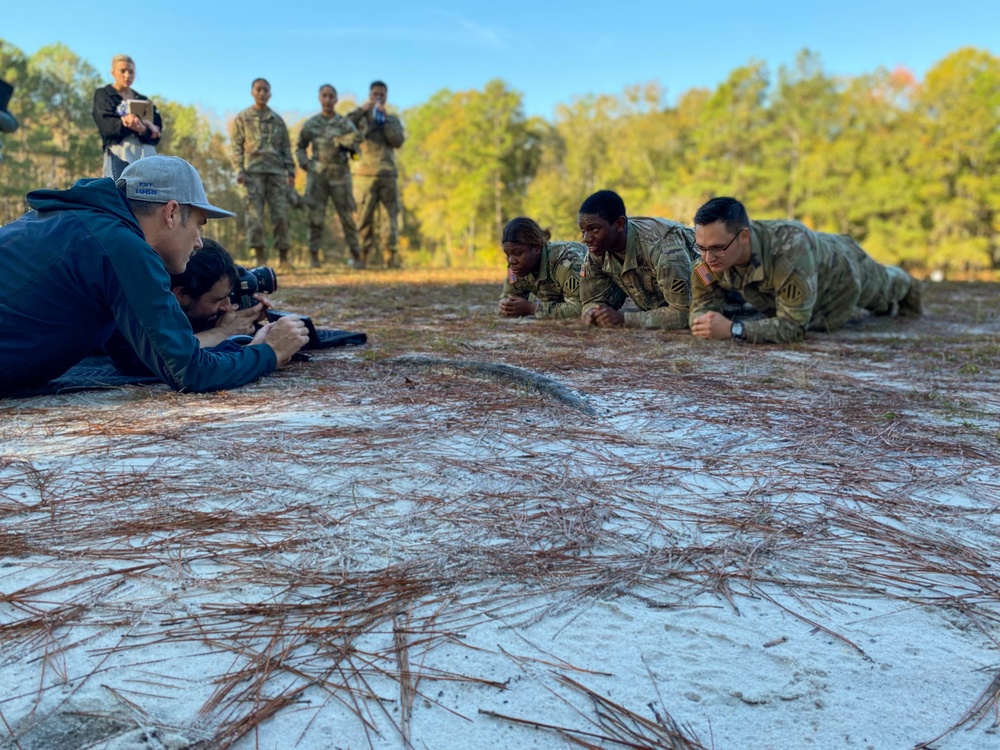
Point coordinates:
[[737, 330]]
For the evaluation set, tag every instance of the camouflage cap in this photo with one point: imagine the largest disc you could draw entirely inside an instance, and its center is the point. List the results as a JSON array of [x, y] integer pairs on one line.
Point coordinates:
[[161, 179]]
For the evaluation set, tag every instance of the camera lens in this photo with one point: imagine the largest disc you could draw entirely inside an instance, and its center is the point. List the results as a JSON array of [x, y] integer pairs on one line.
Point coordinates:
[[249, 282]]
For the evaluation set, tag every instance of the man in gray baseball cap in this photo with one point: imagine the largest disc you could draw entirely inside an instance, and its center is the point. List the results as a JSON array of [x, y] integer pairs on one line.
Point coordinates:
[[161, 179], [99, 256]]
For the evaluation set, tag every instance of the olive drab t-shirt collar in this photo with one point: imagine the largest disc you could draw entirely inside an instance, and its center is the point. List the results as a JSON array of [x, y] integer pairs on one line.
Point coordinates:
[[753, 269], [543, 263], [611, 264]]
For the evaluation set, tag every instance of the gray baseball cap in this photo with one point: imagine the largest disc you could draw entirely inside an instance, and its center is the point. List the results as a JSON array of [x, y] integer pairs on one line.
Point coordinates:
[[161, 179]]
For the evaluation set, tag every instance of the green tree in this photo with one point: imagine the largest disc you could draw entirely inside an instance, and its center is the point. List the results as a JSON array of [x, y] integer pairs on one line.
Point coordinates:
[[727, 152], [958, 163], [464, 168], [60, 131]]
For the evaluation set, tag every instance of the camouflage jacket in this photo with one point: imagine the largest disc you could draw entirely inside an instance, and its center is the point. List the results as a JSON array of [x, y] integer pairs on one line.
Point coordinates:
[[557, 283], [655, 274], [260, 143], [332, 139], [377, 157], [799, 278]]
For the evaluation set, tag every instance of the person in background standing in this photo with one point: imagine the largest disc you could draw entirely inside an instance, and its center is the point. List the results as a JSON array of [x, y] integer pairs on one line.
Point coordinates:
[[334, 140], [375, 175], [262, 160], [125, 137]]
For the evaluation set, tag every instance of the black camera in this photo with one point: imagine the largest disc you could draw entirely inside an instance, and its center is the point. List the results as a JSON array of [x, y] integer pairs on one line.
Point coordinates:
[[314, 340], [249, 282]]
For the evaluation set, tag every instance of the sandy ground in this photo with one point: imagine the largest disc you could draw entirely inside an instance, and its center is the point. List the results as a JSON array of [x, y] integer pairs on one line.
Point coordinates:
[[698, 544]]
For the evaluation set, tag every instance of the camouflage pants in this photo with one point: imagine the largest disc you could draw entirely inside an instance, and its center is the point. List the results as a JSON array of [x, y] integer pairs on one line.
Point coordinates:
[[320, 189], [369, 192], [270, 189], [874, 287]]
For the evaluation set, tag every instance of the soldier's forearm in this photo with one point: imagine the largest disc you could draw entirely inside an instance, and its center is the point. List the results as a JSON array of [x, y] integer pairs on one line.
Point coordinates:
[[559, 310], [666, 318], [773, 331], [705, 301]]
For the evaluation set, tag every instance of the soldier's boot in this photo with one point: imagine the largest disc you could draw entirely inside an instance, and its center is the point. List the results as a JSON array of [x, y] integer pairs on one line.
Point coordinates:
[[283, 262], [314, 258], [912, 305], [259, 255], [354, 257]]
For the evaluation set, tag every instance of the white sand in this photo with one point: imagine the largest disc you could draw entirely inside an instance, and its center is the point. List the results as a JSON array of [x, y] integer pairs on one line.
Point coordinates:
[[712, 558]]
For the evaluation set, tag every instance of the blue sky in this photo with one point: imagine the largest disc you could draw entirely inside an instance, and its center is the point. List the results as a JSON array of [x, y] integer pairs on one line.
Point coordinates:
[[207, 53]]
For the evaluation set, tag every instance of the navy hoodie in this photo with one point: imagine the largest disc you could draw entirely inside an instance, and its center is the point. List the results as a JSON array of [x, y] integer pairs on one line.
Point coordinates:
[[77, 267]]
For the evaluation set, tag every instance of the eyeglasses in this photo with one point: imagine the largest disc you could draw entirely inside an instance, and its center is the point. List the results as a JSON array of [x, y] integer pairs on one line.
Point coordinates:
[[717, 250]]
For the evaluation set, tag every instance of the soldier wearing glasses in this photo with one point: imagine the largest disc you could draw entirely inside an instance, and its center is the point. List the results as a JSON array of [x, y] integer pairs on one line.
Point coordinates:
[[646, 260], [799, 279]]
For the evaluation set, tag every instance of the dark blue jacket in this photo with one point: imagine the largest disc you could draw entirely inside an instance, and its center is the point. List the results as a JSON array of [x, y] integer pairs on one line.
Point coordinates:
[[77, 267]]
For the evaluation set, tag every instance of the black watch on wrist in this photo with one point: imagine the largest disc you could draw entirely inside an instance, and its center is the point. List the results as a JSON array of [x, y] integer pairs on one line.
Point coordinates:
[[737, 330]]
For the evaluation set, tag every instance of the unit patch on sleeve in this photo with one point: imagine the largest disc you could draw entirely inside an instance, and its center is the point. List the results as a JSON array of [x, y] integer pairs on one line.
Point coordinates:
[[792, 291]]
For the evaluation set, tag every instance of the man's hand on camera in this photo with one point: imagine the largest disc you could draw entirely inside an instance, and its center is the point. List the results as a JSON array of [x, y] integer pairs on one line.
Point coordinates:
[[239, 322], [265, 305], [286, 336]]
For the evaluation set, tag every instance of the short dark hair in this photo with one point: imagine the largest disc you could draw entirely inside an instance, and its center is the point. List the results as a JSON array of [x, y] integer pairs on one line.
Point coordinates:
[[379, 83], [260, 80], [204, 269], [727, 210], [148, 208], [604, 203], [328, 86], [525, 231]]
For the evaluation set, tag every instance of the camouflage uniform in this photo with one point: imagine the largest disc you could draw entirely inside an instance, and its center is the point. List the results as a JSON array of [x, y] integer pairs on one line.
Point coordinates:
[[655, 274], [375, 181], [262, 153], [333, 139], [801, 280], [557, 283]]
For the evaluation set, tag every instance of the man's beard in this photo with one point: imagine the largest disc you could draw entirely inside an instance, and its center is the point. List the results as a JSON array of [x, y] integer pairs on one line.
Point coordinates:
[[203, 324]]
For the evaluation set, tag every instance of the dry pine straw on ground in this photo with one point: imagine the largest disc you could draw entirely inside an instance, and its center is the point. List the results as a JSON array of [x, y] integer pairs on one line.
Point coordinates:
[[334, 525]]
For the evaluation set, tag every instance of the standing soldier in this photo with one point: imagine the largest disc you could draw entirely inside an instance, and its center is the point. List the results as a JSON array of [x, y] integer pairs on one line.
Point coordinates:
[[334, 139], [799, 279], [262, 159], [375, 175]]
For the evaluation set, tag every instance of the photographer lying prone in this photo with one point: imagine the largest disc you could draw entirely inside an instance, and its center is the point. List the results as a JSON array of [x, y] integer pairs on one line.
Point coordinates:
[[209, 294]]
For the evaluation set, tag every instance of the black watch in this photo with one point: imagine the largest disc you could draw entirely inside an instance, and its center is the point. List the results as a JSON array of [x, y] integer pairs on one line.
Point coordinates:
[[737, 330]]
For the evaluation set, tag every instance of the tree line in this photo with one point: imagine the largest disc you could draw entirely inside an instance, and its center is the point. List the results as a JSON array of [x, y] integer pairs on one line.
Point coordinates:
[[907, 167]]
